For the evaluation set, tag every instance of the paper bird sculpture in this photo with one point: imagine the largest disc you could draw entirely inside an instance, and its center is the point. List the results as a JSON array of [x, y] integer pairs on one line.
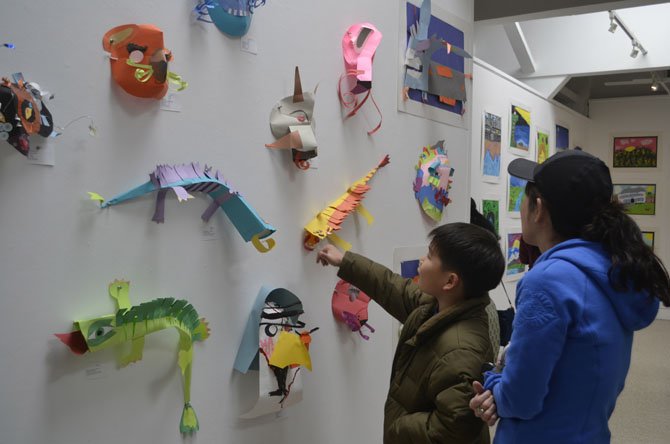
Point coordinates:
[[330, 219], [132, 324], [190, 178]]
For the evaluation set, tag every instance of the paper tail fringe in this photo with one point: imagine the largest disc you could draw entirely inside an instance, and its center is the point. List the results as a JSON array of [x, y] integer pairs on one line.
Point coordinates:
[[189, 420]]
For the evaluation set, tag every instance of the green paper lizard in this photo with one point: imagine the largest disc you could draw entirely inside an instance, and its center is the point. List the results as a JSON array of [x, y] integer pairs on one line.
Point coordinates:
[[133, 323]]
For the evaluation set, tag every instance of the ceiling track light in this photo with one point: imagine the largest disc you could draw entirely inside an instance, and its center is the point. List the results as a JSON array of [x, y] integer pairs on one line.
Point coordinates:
[[615, 22]]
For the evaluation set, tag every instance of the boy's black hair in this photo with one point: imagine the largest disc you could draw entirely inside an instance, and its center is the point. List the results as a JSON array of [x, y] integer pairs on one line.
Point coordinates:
[[471, 252]]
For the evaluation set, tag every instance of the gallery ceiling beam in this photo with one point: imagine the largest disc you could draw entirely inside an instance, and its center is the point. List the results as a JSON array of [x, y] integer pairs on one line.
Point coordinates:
[[497, 12], [520, 47]]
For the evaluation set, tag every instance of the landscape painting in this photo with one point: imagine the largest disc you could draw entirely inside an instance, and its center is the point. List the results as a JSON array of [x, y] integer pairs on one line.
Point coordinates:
[[635, 152]]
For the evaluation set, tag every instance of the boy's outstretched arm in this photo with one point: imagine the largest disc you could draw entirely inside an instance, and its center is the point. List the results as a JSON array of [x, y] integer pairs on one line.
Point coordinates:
[[397, 295]]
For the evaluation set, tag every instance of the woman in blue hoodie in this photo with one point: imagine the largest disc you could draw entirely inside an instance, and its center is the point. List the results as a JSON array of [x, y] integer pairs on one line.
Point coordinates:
[[595, 283]]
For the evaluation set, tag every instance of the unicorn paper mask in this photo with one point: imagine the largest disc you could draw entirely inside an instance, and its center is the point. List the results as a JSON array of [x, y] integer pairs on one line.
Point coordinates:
[[292, 124], [139, 60], [433, 180], [232, 17], [132, 324], [358, 47], [350, 306], [23, 113], [272, 345]]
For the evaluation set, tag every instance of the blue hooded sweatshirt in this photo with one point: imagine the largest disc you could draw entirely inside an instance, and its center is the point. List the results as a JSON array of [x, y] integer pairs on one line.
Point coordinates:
[[570, 349]]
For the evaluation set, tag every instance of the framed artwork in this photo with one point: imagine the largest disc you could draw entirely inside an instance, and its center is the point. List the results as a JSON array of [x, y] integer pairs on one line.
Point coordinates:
[[637, 199], [452, 64], [635, 152], [649, 238], [519, 132], [515, 190], [491, 211], [491, 147], [542, 145], [562, 138], [514, 269]]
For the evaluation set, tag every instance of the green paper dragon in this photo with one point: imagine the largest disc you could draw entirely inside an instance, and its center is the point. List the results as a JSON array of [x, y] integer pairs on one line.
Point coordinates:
[[133, 323]]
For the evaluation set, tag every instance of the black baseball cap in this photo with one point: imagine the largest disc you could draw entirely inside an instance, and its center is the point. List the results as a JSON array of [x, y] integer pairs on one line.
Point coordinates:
[[575, 184]]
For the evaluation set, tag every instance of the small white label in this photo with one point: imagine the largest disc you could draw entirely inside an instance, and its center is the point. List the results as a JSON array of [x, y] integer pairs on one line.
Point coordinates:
[[249, 44], [96, 371], [171, 102], [209, 232], [42, 151]]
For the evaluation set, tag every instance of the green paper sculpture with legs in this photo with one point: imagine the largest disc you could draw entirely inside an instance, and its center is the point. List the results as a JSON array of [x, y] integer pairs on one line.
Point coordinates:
[[132, 324]]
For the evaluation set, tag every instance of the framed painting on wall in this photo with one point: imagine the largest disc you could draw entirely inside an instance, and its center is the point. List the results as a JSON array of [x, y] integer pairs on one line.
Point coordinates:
[[491, 147], [542, 145], [635, 152], [649, 238], [491, 211], [514, 269], [445, 90], [515, 190], [519, 132], [637, 199], [562, 138]]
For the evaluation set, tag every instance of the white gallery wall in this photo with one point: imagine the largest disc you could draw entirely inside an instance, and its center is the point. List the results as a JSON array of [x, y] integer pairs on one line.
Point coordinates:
[[638, 116], [495, 91], [60, 251]]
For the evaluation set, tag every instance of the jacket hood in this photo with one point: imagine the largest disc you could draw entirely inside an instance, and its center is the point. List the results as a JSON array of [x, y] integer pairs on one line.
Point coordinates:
[[635, 309]]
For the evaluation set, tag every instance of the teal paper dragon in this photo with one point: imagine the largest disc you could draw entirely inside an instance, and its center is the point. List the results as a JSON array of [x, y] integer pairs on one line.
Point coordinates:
[[132, 324], [189, 178]]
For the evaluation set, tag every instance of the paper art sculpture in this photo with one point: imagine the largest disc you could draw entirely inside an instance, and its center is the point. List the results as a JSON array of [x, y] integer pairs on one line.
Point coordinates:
[[132, 324], [186, 178], [350, 306], [433, 180], [330, 219], [23, 113], [424, 73], [358, 47], [273, 345], [232, 17], [139, 60], [292, 124]]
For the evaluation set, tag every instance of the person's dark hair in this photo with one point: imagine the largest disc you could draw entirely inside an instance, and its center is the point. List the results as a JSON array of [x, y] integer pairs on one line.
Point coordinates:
[[633, 261], [471, 252]]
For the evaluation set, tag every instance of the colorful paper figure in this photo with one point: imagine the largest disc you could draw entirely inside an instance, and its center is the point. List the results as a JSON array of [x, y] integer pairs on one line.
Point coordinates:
[[433, 180], [273, 345], [139, 60], [186, 178], [132, 324], [358, 47], [329, 220], [426, 75], [23, 113], [232, 17], [350, 306], [292, 124]]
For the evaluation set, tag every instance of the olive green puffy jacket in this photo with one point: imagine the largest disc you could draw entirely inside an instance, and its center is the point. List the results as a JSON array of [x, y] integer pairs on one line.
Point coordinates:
[[438, 357]]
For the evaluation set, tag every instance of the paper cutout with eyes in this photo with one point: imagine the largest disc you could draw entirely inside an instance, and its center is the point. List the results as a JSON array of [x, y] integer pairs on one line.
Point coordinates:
[[358, 48], [433, 180], [232, 17], [139, 60], [350, 306], [23, 113], [292, 124], [273, 345]]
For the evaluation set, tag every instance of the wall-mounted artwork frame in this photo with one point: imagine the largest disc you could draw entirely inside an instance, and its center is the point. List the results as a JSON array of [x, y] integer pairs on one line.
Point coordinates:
[[451, 28], [637, 199], [491, 154], [520, 129], [633, 151]]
